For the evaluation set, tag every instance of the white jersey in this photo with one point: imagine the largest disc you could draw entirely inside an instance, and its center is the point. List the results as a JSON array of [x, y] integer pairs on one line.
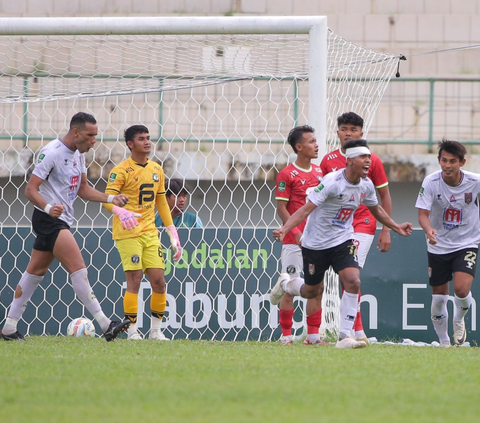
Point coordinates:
[[61, 168], [336, 198], [453, 211]]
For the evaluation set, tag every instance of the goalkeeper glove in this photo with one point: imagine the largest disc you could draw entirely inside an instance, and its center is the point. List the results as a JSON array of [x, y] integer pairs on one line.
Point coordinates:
[[127, 218], [175, 242]]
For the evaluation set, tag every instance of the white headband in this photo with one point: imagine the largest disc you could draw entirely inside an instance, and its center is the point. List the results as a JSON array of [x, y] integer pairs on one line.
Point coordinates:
[[356, 151]]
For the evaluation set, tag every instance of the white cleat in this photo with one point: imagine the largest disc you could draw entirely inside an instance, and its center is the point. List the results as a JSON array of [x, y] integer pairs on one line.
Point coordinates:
[[445, 344], [286, 340], [350, 343], [157, 335], [459, 332], [278, 292], [135, 336]]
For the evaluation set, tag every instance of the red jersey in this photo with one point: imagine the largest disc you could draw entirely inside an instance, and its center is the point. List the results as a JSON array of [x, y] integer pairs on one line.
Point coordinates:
[[363, 220], [293, 186]]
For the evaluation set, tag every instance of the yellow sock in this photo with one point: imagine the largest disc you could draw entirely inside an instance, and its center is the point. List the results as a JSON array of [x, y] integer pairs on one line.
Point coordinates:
[[158, 303], [130, 306]]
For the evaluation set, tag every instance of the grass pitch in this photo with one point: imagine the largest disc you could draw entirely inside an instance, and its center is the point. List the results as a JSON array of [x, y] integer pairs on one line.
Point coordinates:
[[56, 379]]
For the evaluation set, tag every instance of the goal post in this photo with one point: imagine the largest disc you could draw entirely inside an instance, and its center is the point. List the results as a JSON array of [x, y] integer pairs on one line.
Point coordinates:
[[219, 95]]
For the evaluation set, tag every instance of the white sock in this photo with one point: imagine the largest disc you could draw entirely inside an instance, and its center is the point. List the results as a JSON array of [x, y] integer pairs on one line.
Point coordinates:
[[313, 337], [461, 306], [348, 312], [293, 286], [28, 283], [133, 328], [84, 291], [440, 316], [155, 323]]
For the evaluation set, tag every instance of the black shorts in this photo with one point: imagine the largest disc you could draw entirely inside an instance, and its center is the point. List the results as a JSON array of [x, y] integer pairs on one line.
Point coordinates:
[[441, 267], [46, 228], [317, 262]]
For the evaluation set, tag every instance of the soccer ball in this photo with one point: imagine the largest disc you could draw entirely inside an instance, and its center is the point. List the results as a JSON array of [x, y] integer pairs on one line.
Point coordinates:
[[81, 327]]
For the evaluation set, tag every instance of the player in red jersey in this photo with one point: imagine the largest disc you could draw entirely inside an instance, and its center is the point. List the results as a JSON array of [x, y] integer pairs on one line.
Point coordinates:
[[350, 127], [294, 183]]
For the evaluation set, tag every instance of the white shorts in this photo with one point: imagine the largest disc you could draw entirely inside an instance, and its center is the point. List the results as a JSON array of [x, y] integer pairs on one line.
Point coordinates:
[[363, 243], [292, 261]]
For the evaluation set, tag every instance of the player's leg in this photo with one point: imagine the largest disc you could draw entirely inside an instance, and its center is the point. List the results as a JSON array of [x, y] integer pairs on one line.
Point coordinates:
[[464, 266], [68, 253], [37, 267], [344, 262], [154, 267], [440, 271], [314, 319]]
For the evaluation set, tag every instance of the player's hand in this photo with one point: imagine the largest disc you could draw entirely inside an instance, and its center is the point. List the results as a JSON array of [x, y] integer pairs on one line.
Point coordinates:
[[56, 210], [278, 234], [431, 236], [120, 200], [174, 242], [405, 229], [384, 241], [127, 218]]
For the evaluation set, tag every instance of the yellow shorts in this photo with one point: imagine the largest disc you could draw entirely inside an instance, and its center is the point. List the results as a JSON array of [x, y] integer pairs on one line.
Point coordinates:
[[142, 252]]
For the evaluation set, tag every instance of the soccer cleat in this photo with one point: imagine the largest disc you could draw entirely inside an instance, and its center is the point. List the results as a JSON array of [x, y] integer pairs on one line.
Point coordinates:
[[317, 342], [364, 339], [157, 335], [15, 336], [459, 332], [278, 292], [286, 340], [115, 328], [135, 336], [445, 344], [350, 343]]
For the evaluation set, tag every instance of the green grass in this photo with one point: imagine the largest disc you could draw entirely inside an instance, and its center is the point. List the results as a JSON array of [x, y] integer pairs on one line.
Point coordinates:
[[55, 379]]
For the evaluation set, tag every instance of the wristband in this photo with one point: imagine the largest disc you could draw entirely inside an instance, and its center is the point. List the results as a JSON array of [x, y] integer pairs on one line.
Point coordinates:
[[110, 198], [47, 208]]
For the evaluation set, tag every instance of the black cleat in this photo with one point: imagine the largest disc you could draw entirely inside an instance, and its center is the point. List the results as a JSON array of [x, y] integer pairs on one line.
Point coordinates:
[[115, 328], [16, 336]]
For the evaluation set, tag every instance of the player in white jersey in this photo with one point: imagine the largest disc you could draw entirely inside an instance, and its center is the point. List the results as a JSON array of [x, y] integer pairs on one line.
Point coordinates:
[[448, 213], [328, 236], [59, 176]]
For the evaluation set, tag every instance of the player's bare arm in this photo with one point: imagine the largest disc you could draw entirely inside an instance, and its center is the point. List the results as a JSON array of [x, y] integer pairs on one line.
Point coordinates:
[[32, 194], [86, 192], [384, 240], [295, 219], [404, 229], [424, 221]]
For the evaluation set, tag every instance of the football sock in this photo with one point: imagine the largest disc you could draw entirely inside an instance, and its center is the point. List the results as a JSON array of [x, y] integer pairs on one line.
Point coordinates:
[[158, 304], [130, 308], [461, 306], [84, 291], [156, 323], [314, 321], [348, 311], [440, 316], [293, 286], [27, 284], [358, 325], [286, 321]]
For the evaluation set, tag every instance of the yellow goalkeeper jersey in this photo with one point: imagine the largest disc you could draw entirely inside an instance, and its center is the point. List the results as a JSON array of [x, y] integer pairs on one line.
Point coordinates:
[[143, 184]]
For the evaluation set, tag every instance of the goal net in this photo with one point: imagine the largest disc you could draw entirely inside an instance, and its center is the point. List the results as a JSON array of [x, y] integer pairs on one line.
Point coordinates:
[[219, 96]]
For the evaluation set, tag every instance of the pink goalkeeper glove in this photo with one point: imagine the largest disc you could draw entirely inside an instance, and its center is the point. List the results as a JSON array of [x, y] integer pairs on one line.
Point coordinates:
[[127, 218], [175, 242]]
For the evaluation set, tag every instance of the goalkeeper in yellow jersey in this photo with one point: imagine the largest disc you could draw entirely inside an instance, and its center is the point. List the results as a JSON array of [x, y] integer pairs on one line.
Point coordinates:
[[143, 181]]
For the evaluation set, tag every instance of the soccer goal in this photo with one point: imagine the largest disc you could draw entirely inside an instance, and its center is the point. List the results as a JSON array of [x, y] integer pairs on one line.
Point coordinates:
[[219, 95]]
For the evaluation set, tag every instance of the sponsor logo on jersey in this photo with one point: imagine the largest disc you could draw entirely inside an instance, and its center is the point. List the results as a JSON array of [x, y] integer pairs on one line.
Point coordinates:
[[452, 218], [155, 177], [42, 156], [303, 182], [342, 217], [352, 198], [112, 177], [319, 188], [468, 197], [453, 199], [282, 186]]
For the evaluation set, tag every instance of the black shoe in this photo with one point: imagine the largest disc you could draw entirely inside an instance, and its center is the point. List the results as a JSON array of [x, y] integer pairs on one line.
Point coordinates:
[[16, 336], [115, 328]]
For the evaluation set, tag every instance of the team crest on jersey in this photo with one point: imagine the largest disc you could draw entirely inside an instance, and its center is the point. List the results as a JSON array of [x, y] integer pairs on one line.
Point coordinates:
[[155, 177], [319, 188], [112, 178], [42, 156], [468, 197], [311, 269], [282, 185], [362, 197]]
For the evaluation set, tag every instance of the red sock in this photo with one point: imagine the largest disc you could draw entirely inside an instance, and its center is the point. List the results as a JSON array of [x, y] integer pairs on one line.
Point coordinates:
[[358, 325], [314, 321], [286, 321]]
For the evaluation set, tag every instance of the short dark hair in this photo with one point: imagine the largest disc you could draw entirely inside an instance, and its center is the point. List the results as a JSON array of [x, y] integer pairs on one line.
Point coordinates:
[[452, 147], [133, 130], [175, 187], [350, 118], [296, 134], [355, 143], [80, 119]]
